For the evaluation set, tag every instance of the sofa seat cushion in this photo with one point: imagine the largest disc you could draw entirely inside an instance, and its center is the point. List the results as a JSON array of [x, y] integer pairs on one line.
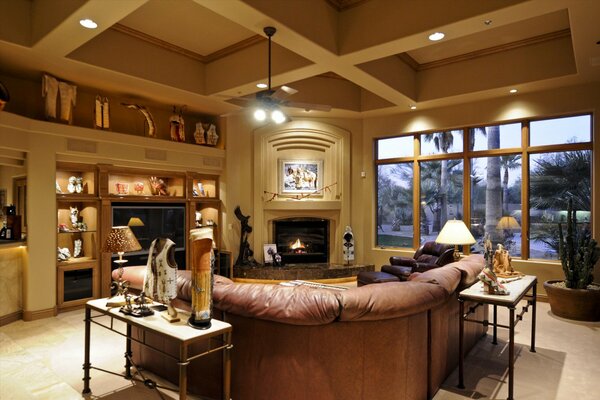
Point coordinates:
[[369, 277]]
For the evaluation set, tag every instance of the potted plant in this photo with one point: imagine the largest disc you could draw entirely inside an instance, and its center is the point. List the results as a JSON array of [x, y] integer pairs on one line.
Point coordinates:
[[576, 297]]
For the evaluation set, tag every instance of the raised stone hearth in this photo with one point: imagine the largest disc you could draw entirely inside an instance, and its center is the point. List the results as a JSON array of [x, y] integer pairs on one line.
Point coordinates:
[[312, 272]]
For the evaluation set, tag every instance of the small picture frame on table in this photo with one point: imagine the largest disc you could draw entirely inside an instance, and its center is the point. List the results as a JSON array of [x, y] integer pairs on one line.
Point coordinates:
[[269, 251]]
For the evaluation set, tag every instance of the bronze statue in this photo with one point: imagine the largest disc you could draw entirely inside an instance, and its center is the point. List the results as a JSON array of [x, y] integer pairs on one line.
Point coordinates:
[[245, 256]]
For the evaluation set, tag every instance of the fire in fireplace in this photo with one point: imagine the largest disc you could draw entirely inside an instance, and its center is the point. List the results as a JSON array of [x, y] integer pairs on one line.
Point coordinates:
[[302, 240]]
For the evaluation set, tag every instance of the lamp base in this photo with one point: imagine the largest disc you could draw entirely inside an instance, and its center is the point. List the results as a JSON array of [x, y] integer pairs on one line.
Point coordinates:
[[456, 253], [206, 324]]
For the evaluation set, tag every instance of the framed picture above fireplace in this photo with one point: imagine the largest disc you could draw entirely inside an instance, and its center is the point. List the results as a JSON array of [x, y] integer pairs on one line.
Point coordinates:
[[300, 176]]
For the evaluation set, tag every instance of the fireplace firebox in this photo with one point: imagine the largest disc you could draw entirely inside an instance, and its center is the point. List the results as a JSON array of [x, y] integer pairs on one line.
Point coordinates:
[[302, 240]]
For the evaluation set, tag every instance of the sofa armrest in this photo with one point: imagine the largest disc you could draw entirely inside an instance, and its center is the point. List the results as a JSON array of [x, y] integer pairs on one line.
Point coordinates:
[[404, 261], [422, 267], [397, 270]]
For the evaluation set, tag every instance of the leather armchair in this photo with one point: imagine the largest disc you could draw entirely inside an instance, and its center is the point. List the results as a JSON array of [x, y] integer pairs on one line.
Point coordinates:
[[430, 255]]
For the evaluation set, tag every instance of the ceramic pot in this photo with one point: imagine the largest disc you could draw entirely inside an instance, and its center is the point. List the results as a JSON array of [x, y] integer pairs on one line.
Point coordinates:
[[577, 304]]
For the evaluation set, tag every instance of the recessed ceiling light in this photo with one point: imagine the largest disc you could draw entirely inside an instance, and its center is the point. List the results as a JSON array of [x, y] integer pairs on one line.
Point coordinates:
[[88, 23], [434, 37], [261, 85], [413, 107], [487, 22], [513, 91]]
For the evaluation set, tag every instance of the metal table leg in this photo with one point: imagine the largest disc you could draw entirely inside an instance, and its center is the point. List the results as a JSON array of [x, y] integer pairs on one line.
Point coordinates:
[[461, 333], [511, 352], [128, 353], [86, 360], [533, 308], [227, 367], [495, 325]]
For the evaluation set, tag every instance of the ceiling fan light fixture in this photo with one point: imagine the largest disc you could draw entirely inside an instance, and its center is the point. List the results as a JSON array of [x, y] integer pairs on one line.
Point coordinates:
[[278, 116], [260, 114]]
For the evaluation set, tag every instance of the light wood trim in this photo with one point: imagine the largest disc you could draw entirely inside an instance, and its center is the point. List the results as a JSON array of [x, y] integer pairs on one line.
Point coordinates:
[[252, 40], [525, 191], [39, 314], [496, 49], [416, 193], [494, 152], [12, 317], [553, 148], [466, 189]]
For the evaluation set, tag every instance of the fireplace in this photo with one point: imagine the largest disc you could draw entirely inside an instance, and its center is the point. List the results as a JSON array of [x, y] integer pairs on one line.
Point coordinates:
[[302, 240]]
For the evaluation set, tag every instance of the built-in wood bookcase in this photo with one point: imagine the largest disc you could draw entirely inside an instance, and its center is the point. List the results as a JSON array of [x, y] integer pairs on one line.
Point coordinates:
[[90, 191], [78, 233]]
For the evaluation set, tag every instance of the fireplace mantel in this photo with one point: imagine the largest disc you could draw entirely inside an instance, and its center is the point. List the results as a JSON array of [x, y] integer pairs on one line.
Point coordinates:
[[294, 205], [330, 145]]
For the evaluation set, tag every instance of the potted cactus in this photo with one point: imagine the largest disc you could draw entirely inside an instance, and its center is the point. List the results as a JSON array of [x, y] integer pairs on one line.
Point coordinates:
[[577, 297]]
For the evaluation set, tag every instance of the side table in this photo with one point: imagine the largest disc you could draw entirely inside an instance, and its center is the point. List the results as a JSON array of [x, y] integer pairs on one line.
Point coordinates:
[[518, 290], [218, 336]]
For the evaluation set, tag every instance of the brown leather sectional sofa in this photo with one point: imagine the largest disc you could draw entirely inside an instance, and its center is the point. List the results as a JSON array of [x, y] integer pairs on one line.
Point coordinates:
[[395, 340]]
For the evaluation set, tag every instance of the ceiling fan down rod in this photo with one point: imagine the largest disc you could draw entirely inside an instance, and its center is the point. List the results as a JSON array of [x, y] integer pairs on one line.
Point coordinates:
[[269, 31]]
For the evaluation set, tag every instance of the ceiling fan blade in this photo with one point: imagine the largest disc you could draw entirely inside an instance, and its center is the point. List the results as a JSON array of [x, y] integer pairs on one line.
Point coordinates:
[[307, 106], [283, 92]]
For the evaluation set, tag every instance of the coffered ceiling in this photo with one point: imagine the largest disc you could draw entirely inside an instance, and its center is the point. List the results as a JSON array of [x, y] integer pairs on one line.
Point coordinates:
[[362, 57]]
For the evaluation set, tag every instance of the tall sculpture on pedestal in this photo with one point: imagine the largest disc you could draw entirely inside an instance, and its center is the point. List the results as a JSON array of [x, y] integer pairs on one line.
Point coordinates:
[[202, 277]]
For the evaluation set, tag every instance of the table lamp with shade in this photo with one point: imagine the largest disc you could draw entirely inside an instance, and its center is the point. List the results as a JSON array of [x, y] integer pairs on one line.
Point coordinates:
[[135, 221], [120, 240], [456, 233], [508, 223]]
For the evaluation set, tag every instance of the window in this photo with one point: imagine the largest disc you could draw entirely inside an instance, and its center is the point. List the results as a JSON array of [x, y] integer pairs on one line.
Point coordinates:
[[495, 137], [561, 130], [442, 142], [482, 178], [496, 201], [395, 147], [395, 205], [553, 179], [441, 195]]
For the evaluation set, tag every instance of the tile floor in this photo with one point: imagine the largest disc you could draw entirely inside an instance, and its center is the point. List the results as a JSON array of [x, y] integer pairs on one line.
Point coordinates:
[[43, 360]]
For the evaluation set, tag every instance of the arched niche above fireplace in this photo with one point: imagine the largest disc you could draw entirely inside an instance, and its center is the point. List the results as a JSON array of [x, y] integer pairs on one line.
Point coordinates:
[[302, 140]]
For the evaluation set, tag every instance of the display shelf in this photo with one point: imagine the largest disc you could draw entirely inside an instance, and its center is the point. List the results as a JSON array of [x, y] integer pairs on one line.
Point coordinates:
[[76, 180], [146, 185], [203, 187], [77, 221]]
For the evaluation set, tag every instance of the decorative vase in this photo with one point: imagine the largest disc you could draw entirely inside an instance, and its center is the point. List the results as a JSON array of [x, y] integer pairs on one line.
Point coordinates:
[[576, 304], [202, 277]]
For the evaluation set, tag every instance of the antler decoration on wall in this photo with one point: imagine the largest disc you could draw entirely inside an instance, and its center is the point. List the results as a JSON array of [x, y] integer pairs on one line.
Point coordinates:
[[300, 196]]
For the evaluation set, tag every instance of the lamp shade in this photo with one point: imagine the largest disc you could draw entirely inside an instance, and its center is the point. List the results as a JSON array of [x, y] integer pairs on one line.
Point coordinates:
[[455, 232], [507, 222], [121, 240], [135, 221]]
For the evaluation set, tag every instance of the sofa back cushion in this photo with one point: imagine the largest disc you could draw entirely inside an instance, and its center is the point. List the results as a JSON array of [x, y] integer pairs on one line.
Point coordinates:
[[389, 300], [448, 278], [297, 305]]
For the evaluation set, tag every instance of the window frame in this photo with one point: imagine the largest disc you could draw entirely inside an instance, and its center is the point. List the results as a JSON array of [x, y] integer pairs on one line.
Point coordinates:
[[525, 151]]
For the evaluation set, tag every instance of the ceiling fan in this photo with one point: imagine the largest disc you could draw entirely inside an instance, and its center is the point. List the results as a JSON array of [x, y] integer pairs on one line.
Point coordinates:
[[268, 102]]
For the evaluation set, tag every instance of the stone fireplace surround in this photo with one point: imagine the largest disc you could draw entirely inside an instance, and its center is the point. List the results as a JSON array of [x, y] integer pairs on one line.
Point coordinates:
[[302, 140]]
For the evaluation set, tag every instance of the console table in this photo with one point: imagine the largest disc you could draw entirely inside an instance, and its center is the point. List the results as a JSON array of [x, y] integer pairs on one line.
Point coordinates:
[[518, 290], [218, 336]]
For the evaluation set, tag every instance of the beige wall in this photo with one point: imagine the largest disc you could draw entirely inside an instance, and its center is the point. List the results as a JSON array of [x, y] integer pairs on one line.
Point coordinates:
[[562, 101]]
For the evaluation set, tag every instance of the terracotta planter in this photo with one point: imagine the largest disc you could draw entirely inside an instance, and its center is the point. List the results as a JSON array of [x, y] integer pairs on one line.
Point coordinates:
[[577, 304]]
